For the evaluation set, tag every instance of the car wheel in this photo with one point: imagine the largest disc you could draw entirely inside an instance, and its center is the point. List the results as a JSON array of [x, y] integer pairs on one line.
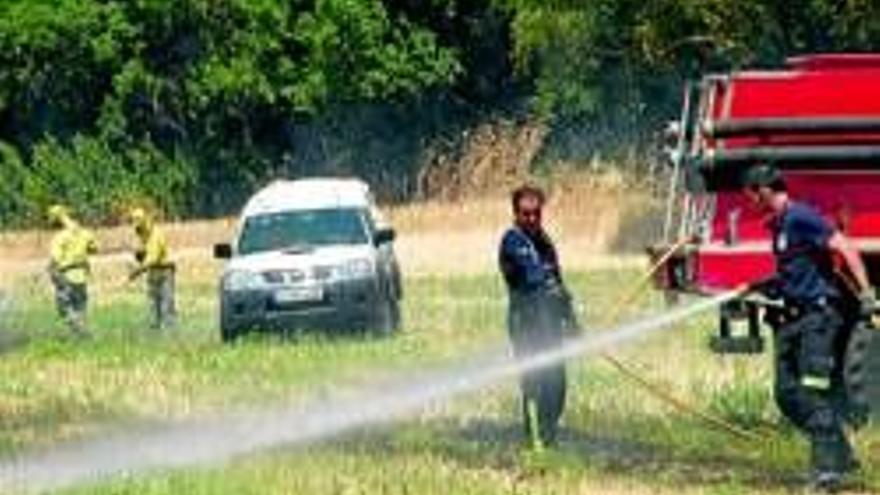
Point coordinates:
[[229, 333], [388, 317]]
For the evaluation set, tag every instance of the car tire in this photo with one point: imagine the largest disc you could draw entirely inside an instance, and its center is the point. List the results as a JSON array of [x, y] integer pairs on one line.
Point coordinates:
[[387, 321], [229, 333]]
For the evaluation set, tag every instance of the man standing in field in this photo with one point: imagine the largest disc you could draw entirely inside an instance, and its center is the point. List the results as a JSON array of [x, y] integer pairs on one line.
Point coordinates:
[[817, 320], [154, 259], [539, 312], [69, 268]]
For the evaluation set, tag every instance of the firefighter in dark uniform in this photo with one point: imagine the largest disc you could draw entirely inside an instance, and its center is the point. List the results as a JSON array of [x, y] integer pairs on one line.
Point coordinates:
[[540, 313], [811, 329]]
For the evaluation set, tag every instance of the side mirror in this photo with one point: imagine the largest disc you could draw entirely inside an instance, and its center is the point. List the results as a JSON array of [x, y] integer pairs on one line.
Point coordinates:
[[222, 251], [384, 236]]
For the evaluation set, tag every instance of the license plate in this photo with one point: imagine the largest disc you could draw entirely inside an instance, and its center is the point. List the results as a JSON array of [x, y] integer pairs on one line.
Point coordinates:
[[299, 294]]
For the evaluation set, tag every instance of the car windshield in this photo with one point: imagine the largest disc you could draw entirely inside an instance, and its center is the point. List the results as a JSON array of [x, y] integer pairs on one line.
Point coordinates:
[[302, 229]]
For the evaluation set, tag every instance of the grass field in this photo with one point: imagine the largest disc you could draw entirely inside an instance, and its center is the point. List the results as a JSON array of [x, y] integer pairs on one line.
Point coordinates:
[[617, 438]]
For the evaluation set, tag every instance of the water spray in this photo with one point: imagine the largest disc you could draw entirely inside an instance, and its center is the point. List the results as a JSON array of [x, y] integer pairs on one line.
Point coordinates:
[[655, 389], [219, 438]]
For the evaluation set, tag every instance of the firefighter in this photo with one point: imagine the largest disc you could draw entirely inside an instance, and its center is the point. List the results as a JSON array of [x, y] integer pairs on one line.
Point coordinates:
[[154, 259], [809, 331], [539, 313], [69, 268]]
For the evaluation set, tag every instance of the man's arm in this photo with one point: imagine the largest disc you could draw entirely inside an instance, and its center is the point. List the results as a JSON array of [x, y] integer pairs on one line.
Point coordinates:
[[519, 258], [136, 272], [92, 244], [147, 260], [821, 234], [839, 243]]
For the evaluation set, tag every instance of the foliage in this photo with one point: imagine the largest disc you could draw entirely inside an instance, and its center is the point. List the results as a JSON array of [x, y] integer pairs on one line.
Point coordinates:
[[588, 57], [101, 182], [91, 84], [228, 88]]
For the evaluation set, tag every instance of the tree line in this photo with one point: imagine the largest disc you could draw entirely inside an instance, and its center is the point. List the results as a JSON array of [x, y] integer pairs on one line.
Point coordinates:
[[186, 105]]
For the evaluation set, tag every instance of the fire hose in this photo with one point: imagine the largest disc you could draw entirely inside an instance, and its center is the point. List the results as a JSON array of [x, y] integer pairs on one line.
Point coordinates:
[[656, 389]]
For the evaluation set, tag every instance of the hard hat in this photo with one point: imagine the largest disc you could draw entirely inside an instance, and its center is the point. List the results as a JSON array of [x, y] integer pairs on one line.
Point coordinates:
[[139, 217], [761, 175], [57, 213]]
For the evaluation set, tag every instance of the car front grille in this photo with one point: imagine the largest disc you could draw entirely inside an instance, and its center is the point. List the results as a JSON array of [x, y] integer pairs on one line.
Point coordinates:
[[272, 305], [284, 277]]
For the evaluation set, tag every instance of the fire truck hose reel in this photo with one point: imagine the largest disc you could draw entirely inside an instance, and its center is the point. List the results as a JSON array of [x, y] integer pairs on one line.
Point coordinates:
[[792, 156], [723, 128]]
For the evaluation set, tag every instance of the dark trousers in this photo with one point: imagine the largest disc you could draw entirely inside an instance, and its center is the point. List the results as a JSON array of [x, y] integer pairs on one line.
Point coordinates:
[[809, 386], [71, 301], [535, 326], [543, 400], [160, 291]]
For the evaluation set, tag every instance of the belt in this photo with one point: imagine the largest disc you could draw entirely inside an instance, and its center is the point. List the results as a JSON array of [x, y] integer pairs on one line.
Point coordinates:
[[796, 309], [819, 302], [73, 266]]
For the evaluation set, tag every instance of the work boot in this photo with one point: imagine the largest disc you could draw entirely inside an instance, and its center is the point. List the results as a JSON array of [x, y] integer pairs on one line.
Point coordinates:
[[827, 481], [78, 329], [536, 445], [832, 458]]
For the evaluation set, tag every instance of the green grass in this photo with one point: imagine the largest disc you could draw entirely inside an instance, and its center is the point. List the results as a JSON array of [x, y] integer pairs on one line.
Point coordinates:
[[617, 439]]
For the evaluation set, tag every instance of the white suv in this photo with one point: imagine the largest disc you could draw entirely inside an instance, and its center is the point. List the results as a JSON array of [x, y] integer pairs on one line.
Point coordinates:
[[311, 253]]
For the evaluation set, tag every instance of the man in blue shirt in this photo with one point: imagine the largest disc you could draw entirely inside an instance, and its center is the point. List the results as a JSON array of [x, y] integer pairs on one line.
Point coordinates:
[[539, 312], [811, 333]]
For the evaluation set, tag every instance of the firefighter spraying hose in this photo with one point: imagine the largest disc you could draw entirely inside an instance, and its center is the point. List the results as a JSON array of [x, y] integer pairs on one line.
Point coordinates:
[[816, 322], [808, 128]]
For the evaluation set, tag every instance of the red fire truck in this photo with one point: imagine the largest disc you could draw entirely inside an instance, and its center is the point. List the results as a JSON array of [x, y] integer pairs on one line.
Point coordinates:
[[818, 120]]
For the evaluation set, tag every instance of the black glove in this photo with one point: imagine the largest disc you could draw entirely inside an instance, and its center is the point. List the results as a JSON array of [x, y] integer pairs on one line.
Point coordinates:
[[768, 287], [868, 306], [563, 307]]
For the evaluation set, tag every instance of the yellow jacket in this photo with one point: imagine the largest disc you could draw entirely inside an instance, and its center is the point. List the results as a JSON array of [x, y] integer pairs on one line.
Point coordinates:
[[156, 253], [69, 252]]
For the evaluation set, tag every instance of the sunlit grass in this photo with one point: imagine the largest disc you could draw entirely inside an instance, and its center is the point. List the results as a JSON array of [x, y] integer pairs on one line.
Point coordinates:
[[618, 439]]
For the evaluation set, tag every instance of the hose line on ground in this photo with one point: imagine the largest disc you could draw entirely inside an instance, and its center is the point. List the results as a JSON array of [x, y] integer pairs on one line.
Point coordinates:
[[656, 389]]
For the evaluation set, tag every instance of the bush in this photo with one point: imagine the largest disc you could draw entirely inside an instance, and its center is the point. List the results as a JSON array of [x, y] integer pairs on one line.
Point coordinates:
[[13, 208], [98, 182]]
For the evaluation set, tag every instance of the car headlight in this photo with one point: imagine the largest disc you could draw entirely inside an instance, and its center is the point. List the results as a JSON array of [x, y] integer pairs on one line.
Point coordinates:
[[356, 268], [238, 280]]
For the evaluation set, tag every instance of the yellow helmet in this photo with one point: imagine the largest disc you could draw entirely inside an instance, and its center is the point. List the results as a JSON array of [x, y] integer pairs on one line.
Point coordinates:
[[58, 213], [139, 218]]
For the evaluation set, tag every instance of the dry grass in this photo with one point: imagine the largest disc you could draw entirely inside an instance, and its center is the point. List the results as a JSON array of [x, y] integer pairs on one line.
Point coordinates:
[[586, 215], [34, 243], [494, 156], [465, 235], [622, 440]]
